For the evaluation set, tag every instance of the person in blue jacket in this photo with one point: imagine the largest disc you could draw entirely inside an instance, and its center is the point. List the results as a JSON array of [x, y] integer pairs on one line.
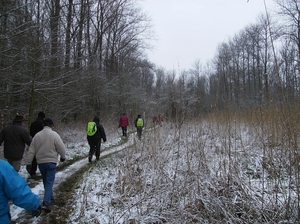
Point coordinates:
[[14, 187]]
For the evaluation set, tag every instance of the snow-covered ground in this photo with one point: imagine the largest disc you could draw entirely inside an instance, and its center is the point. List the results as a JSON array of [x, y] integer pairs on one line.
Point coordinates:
[[73, 149], [197, 173]]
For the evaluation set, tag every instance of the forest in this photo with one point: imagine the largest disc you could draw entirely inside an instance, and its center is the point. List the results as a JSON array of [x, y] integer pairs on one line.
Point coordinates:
[[228, 149], [77, 58]]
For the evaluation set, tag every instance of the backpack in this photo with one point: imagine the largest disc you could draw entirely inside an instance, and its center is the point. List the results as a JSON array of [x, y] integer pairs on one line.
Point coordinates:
[[140, 122], [91, 128]]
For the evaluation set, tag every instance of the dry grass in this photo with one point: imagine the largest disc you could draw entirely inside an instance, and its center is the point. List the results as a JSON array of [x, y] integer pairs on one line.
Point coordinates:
[[229, 167]]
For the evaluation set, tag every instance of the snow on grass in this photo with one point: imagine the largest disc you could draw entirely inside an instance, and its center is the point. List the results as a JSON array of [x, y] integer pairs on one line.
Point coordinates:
[[202, 173], [196, 174]]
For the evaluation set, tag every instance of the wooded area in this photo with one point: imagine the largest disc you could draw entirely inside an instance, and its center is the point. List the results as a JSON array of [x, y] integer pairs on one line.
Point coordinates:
[[76, 58]]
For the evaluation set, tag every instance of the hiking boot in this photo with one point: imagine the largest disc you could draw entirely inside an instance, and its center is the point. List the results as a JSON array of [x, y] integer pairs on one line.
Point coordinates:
[[97, 158], [90, 159], [46, 208]]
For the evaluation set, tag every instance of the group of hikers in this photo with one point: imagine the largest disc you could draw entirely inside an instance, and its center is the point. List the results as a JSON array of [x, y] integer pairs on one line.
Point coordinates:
[[139, 124], [96, 133], [157, 120], [45, 147]]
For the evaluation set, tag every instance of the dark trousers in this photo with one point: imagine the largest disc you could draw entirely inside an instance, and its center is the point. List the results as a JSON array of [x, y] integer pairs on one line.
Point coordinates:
[[95, 147], [33, 166], [124, 131], [139, 131]]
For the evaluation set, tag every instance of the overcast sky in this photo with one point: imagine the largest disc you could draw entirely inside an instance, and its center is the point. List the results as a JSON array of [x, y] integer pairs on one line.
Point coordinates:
[[190, 30]]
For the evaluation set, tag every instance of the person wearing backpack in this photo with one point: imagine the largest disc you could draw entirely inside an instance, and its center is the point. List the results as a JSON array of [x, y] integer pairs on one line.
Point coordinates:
[[123, 123], [139, 124], [94, 139]]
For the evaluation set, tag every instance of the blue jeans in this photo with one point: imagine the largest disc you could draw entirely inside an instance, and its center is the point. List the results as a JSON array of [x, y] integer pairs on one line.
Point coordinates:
[[48, 171]]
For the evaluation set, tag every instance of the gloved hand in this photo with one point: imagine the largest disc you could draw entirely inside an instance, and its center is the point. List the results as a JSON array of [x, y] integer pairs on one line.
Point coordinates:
[[28, 168], [62, 160], [37, 212]]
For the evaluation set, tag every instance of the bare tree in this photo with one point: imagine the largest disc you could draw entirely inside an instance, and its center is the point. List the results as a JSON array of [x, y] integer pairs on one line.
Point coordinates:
[[290, 13]]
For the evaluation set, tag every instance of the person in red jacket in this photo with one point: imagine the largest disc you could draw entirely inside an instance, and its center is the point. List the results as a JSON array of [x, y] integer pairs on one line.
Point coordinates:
[[123, 123]]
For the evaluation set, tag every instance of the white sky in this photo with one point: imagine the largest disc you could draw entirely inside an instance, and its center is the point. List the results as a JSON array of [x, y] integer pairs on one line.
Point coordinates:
[[190, 30]]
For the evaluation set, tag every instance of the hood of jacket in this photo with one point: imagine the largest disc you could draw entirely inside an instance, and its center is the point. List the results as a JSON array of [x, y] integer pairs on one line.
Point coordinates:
[[96, 119]]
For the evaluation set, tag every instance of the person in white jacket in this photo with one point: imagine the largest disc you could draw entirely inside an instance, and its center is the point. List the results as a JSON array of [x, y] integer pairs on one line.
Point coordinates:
[[45, 146]]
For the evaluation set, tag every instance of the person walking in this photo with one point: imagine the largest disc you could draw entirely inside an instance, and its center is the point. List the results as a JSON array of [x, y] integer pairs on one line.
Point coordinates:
[[14, 187], [139, 124], [123, 123], [45, 146], [35, 127], [15, 138], [95, 140], [160, 120]]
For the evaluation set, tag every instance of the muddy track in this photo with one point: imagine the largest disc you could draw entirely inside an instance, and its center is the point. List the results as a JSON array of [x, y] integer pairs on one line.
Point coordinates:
[[65, 182]]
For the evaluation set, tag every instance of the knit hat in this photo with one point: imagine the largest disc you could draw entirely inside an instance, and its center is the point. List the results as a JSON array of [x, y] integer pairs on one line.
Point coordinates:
[[48, 122], [19, 118], [41, 114]]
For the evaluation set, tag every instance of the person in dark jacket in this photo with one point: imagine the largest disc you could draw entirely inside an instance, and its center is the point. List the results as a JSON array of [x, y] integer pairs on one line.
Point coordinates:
[[95, 140], [14, 187], [123, 123], [35, 127], [15, 138]]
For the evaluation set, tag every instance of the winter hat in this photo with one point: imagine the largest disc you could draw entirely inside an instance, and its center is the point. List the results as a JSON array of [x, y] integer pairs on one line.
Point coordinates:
[[48, 122], [41, 114], [19, 118]]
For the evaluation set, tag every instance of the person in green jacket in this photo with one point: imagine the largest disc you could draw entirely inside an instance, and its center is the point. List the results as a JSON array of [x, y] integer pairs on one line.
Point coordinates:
[[139, 124]]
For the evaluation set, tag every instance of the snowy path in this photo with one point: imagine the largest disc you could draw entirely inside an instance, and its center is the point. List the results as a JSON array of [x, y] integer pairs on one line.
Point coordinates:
[[19, 215]]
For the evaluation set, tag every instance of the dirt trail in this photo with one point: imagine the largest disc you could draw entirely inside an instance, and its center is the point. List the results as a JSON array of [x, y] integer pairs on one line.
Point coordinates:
[[21, 216]]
